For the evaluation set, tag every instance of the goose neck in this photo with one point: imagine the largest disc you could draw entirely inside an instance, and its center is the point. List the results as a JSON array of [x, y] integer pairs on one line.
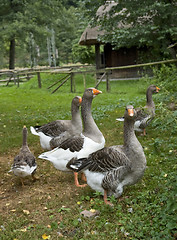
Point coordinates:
[[75, 114], [90, 128], [129, 133], [149, 98], [24, 137]]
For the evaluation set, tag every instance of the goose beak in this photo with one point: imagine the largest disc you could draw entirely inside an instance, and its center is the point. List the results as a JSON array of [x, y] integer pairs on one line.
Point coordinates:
[[157, 89], [80, 100], [130, 112], [96, 91]]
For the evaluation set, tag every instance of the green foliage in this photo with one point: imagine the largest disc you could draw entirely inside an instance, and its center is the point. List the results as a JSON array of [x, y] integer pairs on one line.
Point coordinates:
[[137, 23], [28, 22], [166, 77], [146, 210], [83, 54]]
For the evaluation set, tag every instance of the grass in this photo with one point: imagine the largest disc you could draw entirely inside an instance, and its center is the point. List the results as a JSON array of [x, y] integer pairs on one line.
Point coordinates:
[[50, 207]]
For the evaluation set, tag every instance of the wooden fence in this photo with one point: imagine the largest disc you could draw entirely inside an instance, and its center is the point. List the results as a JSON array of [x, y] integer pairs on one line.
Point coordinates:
[[70, 72]]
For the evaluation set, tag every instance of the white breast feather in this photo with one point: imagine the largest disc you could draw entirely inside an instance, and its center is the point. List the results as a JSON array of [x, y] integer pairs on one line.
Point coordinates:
[[24, 171], [94, 180], [137, 126]]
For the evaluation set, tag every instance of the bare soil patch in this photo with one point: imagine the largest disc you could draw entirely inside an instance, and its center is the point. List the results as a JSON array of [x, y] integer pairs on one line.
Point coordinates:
[[50, 192]]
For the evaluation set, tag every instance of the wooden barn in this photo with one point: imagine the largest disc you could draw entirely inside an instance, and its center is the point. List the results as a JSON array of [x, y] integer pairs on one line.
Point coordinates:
[[106, 56]]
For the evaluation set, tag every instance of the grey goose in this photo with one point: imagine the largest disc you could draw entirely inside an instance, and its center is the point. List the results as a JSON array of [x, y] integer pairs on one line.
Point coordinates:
[[90, 140], [109, 169], [147, 113], [24, 163], [54, 133]]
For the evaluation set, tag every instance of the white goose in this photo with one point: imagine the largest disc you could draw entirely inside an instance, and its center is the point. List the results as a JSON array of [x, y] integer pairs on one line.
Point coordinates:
[[54, 133], [110, 169], [90, 140], [147, 114], [25, 162]]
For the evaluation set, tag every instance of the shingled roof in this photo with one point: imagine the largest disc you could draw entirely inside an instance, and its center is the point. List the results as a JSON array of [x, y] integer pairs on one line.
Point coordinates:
[[90, 35]]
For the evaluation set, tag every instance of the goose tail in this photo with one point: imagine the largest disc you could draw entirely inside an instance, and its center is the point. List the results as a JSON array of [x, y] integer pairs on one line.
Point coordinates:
[[120, 119], [78, 165], [33, 131]]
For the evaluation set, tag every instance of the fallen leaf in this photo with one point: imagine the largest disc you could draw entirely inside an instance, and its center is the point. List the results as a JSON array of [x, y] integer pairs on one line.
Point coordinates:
[[45, 236], [60, 234], [92, 210], [26, 212], [23, 230], [7, 204], [13, 210]]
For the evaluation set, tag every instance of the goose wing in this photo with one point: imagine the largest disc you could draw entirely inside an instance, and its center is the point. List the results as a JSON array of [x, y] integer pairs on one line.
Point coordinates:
[[54, 128], [73, 144], [56, 141], [144, 117], [103, 160]]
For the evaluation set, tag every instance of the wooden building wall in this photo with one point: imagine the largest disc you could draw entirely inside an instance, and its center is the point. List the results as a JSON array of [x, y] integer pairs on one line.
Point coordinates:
[[120, 57]]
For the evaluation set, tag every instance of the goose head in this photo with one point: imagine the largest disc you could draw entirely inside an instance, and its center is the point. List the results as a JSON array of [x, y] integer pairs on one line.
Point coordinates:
[[91, 93], [130, 113], [153, 89], [77, 101]]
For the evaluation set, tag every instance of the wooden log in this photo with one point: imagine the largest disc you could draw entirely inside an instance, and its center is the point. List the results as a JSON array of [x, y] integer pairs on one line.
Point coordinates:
[[72, 82], [39, 79], [100, 79], [58, 81], [107, 82], [141, 65], [9, 80], [61, 84], [84, 81]]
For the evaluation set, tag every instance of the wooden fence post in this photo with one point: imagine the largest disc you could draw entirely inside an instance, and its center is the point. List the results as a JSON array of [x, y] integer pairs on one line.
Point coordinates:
[[73, 85], [39, 80], [84, 81], [108, 88]]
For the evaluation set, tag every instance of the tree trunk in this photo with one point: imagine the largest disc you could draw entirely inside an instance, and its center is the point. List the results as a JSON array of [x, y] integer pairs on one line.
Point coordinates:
[[12, 54]]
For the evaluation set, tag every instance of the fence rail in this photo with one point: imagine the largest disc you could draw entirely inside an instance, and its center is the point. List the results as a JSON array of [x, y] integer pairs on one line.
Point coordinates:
[[70, 71]]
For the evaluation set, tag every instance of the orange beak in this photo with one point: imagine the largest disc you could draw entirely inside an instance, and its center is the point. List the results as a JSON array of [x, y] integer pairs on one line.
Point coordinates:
[[157, 89], [80, 100], [130, 112], [96, 91]]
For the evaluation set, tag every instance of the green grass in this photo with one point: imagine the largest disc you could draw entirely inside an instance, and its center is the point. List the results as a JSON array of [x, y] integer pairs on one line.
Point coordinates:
[[145, 211]]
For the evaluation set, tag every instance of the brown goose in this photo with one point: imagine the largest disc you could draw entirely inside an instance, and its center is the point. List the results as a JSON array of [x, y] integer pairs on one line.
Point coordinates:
[[54, 133], [90, 140], [110, 169], [147, 114], [25, 162]]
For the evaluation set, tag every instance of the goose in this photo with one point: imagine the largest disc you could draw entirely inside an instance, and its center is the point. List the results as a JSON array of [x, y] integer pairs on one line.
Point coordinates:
[[24, 163], [91, 139], [54, 133], [147, 114], [109, 169]]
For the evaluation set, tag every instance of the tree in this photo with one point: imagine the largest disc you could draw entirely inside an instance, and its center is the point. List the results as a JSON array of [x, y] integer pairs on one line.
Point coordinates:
[[150, 23], [18, 18]]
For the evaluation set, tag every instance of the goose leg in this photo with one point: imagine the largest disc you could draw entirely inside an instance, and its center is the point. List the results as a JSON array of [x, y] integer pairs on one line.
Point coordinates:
[[21, 179], [83, 177], [144, 132], [77, 182], [106, 199]]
